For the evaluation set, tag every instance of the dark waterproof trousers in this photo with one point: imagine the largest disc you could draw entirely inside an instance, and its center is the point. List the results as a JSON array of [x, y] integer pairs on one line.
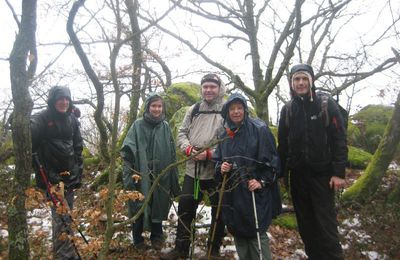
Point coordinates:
[[187, 212], [314, 203], [63, 247]]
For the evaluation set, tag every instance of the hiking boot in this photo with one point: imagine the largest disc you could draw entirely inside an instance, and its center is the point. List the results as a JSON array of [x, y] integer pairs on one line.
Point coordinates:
[[173, 255], [157, 244]]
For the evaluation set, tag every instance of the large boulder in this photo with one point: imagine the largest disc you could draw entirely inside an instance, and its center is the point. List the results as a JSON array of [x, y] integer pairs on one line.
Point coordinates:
[[358, 159], [179, 95]]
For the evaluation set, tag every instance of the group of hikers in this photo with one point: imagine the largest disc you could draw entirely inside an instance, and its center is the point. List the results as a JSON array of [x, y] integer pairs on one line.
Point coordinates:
[[232, 159]]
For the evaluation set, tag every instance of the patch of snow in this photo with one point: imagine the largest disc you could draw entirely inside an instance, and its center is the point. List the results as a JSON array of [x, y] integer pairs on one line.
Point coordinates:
[[95, 174], [360, 235], [298, 254], [393, 166], [354, 222], [4, 233], [372, 255]]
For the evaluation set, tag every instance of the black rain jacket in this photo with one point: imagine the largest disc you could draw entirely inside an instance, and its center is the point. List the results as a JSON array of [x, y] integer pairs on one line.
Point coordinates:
[[57, 140], [304, 140]]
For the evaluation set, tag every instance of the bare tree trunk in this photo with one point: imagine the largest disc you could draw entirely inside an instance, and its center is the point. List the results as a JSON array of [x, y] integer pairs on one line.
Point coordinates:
[[98, 114], [21, 75], [369, 182], [110, 230], [132, 8]]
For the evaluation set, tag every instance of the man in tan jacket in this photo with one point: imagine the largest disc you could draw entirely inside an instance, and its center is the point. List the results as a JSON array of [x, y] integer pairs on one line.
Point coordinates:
[[201, 125]]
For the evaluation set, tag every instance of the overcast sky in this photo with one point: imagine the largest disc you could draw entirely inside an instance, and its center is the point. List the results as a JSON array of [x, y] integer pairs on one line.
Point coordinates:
[[51, 26]]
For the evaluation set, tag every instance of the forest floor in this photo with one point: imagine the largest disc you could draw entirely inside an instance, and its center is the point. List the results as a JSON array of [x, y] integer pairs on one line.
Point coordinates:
[[367, 232]]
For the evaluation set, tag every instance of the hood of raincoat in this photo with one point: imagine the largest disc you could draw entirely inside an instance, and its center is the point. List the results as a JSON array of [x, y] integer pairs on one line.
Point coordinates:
[[225, 108], [146, 114], [302, 68], [56, 93]]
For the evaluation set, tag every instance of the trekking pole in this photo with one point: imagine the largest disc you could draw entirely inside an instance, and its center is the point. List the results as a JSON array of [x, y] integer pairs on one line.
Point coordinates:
[[196, 188], [56, 201], [221, 193], [256, 220]]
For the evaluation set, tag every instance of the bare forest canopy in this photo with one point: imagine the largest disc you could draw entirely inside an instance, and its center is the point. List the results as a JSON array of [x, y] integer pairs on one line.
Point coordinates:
[[112, 53]]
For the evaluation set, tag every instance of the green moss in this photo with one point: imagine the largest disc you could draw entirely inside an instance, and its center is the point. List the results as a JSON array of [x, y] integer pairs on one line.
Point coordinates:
[[86, 153], [358, 158], [274, 131], [91, 161], [354, 135], [180, 95], [286, 221], [365, 185]]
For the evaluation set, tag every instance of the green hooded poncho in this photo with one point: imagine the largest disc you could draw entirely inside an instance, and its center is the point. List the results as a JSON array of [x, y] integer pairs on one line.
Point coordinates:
[[148, 149]]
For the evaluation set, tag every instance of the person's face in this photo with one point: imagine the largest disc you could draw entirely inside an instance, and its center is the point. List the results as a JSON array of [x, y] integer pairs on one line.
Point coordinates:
[[209, 91], [236, 112], [156, 108], [62, 105], [301, 85]]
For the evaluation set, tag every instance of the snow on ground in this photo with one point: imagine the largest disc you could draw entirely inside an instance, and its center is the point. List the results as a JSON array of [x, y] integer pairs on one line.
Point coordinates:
[[393, 166], [39, 220]]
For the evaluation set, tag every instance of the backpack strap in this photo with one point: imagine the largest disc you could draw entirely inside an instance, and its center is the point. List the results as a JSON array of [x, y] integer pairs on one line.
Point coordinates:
[[288, 112], [196, 112], [324, 109]]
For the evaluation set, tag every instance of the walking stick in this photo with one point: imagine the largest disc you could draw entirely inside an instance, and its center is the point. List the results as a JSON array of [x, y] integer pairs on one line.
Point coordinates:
[[256, 220], [221, 194], [57, 201]]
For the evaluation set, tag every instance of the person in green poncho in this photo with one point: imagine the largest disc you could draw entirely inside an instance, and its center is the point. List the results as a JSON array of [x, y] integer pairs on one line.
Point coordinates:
[[148, 149]]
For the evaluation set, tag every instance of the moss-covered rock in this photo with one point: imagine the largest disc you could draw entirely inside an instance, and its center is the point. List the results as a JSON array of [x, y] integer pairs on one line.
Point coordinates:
[[354, 135], [179, 95], [358, 158], [286, 221]]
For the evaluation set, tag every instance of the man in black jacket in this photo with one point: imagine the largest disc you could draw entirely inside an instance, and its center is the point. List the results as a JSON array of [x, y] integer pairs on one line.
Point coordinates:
[[315, 155], [57, 141]]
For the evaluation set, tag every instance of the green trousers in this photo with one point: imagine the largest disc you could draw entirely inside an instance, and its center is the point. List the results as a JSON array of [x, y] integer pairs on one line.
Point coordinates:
[[247, 248]]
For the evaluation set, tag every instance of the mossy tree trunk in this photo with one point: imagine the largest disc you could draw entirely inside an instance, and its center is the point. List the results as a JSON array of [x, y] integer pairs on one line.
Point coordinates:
[[23, 61], [369, 182]]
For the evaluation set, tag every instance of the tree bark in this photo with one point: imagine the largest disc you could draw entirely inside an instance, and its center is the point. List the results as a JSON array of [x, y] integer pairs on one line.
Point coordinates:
[[369, 182], [21, 74], [137, 59], [98, 114]]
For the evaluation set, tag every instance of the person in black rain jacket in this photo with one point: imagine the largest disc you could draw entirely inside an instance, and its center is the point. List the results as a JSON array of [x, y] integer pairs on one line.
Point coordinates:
[[57, 141], [314, 154]]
